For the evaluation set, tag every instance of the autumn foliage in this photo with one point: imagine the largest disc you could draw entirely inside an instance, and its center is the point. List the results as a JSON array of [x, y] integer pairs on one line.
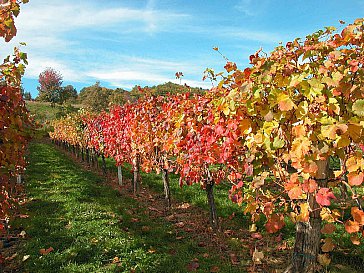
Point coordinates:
[[14, 118], [272, 130]]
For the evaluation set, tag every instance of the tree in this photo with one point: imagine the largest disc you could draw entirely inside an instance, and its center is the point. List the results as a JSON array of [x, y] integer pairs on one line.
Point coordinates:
[[27, 96], [50, 86], [67, 93], [95, 97]]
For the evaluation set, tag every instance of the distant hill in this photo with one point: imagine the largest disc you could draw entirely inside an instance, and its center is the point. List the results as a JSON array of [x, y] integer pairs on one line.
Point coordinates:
[[167, 88], [98, 98]]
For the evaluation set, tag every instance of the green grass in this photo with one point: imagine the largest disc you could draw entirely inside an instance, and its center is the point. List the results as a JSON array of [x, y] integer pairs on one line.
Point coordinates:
[[89, 225]]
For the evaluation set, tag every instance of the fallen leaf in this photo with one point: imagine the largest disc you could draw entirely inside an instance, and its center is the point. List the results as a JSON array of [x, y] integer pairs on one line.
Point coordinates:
[[46, 251], [151, 250], [184, 206], [258, 256], [193, 266], [179, 224], [12, 257], [146, 228], [205, 255], [256, 235], [116, 260], [135, 220], [234, 259], [214, 269]]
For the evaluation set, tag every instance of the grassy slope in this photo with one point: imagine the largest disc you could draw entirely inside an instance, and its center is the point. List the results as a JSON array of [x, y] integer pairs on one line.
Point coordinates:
[[89, 225]]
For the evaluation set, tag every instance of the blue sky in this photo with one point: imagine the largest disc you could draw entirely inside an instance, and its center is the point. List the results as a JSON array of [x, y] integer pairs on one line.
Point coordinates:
[[145, 42]]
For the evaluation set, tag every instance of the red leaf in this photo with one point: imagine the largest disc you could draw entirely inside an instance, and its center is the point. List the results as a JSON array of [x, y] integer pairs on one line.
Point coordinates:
[[219, 130], [323, 196]]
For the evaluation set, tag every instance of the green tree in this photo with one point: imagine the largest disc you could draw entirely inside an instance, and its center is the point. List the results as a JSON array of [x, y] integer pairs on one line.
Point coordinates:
[[95, 97], [67, 93]]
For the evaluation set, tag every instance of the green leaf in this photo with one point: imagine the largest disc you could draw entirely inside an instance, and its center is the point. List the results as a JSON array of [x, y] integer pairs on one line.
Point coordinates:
[[278, 143], [358, 107]]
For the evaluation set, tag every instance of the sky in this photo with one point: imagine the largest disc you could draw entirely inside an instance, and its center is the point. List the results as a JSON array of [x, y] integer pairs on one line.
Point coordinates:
[[145, 42]]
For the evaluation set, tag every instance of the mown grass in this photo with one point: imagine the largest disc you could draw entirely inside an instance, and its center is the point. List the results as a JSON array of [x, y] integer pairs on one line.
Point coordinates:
[[93, 229]]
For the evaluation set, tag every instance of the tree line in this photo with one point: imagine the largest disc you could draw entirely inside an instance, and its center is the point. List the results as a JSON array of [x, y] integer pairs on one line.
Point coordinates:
[[96, 97]]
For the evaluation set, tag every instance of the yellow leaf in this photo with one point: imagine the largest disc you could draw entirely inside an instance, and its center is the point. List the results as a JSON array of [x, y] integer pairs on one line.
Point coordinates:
[[304, 213], [352, 164]]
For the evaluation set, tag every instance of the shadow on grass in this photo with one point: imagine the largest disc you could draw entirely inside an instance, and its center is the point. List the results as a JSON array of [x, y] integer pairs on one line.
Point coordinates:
[[92, 229]]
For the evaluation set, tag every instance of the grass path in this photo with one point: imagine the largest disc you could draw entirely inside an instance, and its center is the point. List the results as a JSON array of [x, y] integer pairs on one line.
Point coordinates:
[[92, 228]]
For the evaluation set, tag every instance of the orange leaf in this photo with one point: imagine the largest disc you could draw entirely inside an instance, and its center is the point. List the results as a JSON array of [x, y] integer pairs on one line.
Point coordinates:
[[355, 179], [275, 223], [358, 215], [309, 186], [352, 226]]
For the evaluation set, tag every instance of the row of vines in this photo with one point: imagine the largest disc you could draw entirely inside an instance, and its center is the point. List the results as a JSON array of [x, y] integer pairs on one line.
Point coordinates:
[[270, 130], [15, 123]]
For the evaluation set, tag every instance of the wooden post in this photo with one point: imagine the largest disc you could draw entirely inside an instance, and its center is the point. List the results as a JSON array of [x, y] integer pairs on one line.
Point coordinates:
[[211, 201], [120, 176], [167, 191], [136, 163]]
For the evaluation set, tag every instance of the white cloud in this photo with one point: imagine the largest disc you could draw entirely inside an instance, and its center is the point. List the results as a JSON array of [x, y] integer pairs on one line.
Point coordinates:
[[62, 16], [252, 7]]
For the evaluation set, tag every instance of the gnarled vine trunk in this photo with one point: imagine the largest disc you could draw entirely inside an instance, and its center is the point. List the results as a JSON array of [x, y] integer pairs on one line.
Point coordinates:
[[308, 234]]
